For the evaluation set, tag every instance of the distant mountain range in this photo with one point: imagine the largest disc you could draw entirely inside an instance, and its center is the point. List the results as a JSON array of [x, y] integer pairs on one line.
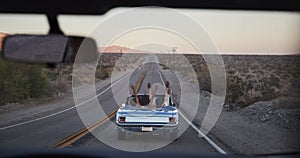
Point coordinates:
[[119, 49]]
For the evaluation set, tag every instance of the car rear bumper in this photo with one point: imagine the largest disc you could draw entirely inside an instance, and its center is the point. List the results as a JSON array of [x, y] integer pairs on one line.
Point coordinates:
[[155, 129]]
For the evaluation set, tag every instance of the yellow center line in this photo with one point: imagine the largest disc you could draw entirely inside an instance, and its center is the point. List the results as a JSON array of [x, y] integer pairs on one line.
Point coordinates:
[[76, 136]]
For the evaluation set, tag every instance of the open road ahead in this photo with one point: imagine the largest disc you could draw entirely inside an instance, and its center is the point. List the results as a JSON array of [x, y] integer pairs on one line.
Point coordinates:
[[48, 132]]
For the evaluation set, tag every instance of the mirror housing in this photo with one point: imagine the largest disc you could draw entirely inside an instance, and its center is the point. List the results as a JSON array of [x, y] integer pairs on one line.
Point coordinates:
[[53, 48]]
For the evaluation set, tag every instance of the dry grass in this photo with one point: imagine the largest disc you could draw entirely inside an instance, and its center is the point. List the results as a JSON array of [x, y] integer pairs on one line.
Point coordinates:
[[250, 78]]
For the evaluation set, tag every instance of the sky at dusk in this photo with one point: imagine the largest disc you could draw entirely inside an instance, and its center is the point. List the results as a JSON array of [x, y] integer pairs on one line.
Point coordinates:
[[233, 32]]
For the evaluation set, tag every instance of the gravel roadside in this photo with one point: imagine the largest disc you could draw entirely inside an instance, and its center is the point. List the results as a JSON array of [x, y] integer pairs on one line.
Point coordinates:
[[262, 128]]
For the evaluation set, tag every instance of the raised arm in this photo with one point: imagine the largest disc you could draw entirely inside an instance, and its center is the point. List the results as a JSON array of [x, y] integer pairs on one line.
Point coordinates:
[[151, 94], [136, 96], [167, 92]]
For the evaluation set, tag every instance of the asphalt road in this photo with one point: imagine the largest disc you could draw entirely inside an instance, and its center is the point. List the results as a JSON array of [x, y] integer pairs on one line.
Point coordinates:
[[47, 132]]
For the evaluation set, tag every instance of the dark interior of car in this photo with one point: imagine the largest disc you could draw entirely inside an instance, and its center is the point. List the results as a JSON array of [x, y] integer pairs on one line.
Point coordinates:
[[54, 8]]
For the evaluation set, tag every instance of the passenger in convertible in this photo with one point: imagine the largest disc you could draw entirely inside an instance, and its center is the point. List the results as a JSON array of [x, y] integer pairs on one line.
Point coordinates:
[[167, 93], [151, 95], [151, 100], [136, 96]]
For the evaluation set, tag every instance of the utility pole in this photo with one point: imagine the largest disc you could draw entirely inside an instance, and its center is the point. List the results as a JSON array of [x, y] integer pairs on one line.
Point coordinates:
[[121, 59], [174, 51]]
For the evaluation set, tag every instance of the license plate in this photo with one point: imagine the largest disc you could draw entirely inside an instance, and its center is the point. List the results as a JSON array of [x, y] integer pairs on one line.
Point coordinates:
[[147, 129]]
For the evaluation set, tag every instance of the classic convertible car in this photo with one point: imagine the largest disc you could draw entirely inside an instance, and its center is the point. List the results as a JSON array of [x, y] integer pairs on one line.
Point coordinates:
[[152, 113]]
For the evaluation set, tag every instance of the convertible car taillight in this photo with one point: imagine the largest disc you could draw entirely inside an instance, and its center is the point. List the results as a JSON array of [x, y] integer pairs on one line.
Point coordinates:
[[122, 119], [172, 119]]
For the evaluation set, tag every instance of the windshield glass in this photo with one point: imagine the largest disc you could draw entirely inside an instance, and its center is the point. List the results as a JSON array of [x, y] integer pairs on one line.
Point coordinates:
[[229, 77]]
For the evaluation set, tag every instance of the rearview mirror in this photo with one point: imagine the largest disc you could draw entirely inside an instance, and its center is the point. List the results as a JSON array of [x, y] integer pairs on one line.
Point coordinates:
[[49, 49]]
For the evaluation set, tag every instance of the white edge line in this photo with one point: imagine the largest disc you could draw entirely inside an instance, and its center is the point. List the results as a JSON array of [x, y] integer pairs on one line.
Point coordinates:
[[219, 149], [62, 111], [213, 144]]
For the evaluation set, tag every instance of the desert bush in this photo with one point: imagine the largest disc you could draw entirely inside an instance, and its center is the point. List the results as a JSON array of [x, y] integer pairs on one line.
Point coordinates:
[[204, 79], [102, 73], [103, 70], [248, 90], [253, 78], [19, 82]]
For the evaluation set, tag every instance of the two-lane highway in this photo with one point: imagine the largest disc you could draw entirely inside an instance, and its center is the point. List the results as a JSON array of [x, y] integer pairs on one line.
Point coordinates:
[[45, 131], [105, 136], [58, 128]]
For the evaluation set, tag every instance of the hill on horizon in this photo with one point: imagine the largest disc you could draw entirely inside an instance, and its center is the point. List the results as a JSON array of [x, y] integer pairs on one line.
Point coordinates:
[[119, 49]]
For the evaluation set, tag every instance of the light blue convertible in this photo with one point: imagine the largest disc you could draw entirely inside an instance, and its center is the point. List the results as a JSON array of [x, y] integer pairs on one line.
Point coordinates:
[[155, 114]]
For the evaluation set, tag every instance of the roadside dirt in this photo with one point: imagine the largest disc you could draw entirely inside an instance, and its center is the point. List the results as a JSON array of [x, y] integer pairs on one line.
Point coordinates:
[[261, 128], [11, 114]]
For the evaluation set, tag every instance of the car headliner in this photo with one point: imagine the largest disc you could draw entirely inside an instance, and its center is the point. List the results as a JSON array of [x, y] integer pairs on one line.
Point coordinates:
[[96, 7]]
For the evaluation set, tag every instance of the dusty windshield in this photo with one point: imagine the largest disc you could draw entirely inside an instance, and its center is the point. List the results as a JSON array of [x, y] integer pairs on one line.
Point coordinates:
[[226, 82]]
